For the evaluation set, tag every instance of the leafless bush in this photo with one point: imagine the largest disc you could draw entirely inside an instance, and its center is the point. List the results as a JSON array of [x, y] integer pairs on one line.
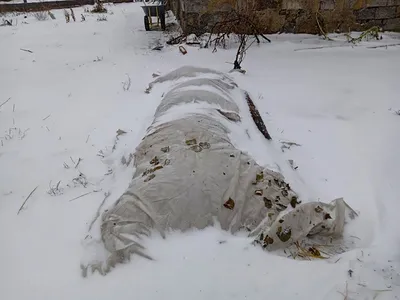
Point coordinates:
[[243, 23], [41, 15], [99, 8]]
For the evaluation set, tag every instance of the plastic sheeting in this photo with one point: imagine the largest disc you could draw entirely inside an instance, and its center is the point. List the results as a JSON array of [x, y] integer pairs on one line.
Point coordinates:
[[189, 175]]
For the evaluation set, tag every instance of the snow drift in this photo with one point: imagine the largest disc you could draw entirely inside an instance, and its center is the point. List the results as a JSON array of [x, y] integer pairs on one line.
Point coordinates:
[[190, 175]]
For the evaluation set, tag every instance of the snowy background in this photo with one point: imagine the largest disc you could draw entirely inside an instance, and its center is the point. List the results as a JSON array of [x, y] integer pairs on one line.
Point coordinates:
[[73, 86]]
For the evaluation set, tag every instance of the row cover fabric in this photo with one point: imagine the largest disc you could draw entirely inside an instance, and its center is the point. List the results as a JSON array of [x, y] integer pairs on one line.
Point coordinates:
[[188, 175]]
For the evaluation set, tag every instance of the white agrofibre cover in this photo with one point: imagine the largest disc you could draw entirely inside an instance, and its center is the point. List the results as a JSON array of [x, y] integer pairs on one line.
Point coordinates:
[[189, 175]]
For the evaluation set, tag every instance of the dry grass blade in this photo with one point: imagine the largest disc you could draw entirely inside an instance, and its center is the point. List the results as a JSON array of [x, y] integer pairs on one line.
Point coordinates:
[[23, 204], [106, 195], [383, 46], [5, 102], [77, 164], [320, 28], [81, 196]]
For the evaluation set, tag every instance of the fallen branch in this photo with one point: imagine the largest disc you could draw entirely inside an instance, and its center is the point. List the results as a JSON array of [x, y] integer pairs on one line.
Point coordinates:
[[323, 47], [23, 204], [372, 32], [257, 118], [5, 102], [176, 40]]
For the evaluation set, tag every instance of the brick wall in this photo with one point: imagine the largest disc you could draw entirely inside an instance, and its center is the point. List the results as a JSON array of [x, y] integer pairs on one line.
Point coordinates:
[[297, 16]]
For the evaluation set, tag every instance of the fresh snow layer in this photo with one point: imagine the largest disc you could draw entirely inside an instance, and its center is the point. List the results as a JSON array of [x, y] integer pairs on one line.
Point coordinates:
[[70, 95]]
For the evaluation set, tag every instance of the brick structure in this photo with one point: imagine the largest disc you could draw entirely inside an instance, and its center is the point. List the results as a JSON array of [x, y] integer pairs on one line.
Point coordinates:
[[296, 16]]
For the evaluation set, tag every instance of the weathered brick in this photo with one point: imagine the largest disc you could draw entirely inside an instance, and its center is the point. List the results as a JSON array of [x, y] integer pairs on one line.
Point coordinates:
[[365, 14], [376, 3], [385, 12], [327, 4], [393, 24]]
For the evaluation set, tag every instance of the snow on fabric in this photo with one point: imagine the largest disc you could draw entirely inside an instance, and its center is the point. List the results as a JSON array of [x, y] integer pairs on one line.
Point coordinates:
[[189, 175]]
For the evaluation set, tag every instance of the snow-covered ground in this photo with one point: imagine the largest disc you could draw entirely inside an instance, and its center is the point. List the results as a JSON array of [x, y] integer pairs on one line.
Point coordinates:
[[70, 94]]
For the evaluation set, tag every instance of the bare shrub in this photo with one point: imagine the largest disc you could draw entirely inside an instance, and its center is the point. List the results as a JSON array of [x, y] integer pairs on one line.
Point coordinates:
[[41, 15], [99, 8], [243, 23]]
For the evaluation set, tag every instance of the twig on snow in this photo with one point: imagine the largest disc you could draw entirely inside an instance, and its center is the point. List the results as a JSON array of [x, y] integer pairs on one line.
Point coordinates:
[[77, 164], [23, 204], [5, 102], [383, 46], [87, 138], [46, 118], [26, 50]]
